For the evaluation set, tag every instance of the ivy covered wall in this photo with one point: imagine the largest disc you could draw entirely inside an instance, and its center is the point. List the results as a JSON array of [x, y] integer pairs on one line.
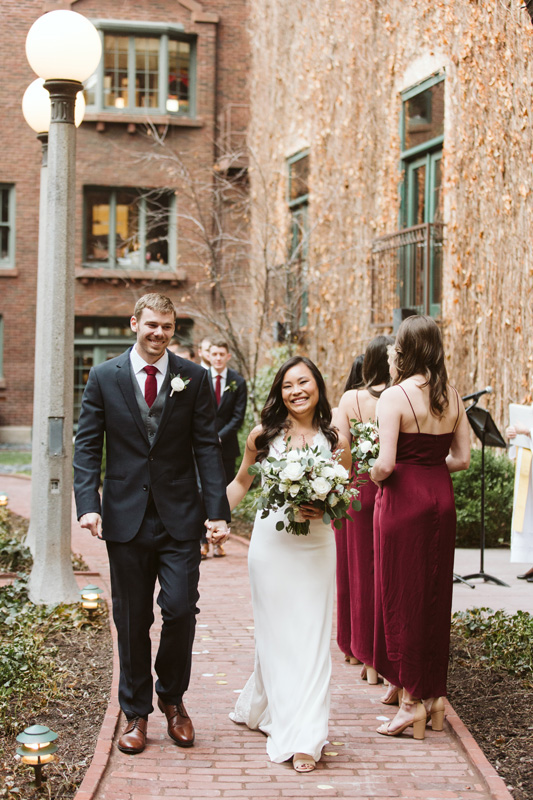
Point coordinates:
[[327, 75]]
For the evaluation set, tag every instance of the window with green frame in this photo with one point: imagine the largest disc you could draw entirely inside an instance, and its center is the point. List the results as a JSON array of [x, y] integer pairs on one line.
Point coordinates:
[[132, 229], [298, 201], [7, 226], [146, 68], [422, 138]]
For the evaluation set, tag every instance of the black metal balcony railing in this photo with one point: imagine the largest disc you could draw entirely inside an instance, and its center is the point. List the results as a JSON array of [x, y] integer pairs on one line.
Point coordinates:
[[406, 272]]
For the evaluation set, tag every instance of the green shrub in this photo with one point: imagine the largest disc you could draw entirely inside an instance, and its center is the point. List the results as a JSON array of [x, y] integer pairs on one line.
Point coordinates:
[[28, 667], [14, 555], [499, 481], [276, 357], [265, 376], [507, 639]]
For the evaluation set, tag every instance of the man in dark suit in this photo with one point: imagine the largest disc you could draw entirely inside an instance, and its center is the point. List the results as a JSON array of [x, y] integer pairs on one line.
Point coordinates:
[[155, 409], [230, 397]]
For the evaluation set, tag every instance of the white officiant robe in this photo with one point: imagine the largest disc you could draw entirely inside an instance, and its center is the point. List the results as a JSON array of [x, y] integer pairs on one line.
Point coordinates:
[[522, 541]]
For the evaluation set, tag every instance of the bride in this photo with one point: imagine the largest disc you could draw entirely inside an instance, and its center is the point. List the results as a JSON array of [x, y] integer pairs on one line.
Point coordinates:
[[292, 581]]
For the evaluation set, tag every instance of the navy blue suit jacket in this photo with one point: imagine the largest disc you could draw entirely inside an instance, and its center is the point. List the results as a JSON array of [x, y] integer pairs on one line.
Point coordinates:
[[134, 467], [230, 413]]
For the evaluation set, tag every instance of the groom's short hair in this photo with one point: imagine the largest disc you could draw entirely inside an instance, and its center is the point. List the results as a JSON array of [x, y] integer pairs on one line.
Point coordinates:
[[155, 302]]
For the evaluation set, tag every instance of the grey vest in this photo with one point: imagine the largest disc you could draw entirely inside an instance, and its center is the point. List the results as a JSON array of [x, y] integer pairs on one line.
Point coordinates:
[[151, 416]]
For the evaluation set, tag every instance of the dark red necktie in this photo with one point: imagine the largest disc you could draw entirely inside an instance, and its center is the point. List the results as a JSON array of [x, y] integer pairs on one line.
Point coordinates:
[[150, 387], [218, 393]]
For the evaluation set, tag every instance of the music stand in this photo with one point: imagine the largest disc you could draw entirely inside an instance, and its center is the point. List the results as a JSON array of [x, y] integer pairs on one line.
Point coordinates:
[[485, 429]]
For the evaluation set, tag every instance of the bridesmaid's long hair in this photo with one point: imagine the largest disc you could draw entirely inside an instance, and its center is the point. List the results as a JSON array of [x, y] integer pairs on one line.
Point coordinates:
[[376, 364], [419, 351], [355, 378], [274, 414]]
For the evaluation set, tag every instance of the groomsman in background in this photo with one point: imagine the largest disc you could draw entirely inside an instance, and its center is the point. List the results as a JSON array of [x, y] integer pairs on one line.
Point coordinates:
[[203, 352], [230, 395]]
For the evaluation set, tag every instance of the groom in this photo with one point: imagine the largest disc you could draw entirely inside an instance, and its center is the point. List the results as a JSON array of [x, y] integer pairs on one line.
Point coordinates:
[[155, 410]]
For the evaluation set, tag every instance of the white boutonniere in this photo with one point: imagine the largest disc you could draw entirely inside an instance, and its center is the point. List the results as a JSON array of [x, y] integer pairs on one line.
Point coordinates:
[[231, 387], [178, 384]]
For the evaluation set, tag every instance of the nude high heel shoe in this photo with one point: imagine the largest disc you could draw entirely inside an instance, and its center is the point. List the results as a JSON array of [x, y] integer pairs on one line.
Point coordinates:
[[369, 674], [390, 698], [417, 718], [352, 660], [435, 710]]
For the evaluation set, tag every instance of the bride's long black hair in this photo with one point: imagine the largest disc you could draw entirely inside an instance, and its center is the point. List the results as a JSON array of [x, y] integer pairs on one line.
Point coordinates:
[[274, 414]]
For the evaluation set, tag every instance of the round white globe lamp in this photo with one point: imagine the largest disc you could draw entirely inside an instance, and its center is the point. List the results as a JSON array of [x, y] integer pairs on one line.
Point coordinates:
[[63, 45], [36, 107]]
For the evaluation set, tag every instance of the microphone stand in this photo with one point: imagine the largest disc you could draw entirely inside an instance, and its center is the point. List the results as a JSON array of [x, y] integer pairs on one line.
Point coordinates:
[[480, 422]]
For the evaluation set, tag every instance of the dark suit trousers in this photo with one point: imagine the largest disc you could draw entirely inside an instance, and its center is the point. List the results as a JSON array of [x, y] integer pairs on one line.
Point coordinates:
[[134, 567]]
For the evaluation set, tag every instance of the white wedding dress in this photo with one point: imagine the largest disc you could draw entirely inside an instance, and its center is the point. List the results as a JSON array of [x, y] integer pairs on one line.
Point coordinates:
[[292, 583]]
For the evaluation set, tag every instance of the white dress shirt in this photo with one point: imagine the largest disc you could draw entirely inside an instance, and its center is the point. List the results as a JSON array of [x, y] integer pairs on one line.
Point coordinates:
[[223, 376], [138, 363]]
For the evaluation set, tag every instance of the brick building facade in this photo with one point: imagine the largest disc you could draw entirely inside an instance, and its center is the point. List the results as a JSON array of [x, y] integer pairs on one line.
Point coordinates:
[[173, 80]]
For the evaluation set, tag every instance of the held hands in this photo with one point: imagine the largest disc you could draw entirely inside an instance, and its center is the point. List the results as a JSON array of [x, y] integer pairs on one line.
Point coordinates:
[[217, 531], [310, 512], [92, 522]]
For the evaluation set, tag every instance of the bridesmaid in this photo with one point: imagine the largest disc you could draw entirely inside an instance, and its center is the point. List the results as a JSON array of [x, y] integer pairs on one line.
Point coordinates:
[[424, 435], [355, 549], [344, 629]]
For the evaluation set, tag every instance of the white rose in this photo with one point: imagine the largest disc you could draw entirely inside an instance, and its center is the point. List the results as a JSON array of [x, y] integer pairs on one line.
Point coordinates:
[[294, 489], [341, 473], [293, 455], [365, 446], [292, 472], [327, 472], [321, 487], [177, 385]]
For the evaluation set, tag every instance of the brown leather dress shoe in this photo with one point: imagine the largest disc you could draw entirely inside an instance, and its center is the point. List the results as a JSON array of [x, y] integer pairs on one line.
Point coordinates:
[[133, 739], [180, 727], [218, 551], [204, 550]]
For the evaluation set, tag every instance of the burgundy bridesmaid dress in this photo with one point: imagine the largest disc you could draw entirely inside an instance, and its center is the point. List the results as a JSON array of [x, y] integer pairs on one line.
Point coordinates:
[[414, 540], [355, 578], [344, 621]]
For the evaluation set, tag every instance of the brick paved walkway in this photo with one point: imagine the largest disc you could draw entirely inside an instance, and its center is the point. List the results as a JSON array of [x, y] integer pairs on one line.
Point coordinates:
[[229, 761]]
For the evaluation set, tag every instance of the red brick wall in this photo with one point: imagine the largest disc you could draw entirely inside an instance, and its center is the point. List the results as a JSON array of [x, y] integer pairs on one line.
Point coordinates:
[[112, 157]]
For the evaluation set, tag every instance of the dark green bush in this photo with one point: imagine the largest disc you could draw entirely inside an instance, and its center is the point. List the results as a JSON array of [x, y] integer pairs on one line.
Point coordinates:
[[265, 376], [14, 555], [499, 480], [507, 640], [28, 665]]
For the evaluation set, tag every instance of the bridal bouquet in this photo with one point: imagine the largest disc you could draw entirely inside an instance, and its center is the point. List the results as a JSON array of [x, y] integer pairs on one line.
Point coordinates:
[[365, 445], [306, 476]]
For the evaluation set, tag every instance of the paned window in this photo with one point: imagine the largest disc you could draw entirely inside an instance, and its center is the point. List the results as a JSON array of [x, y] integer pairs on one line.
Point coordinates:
[[152, 73], [424, 116], [132, 229], [296, 279], [7, 226], [420, 271]]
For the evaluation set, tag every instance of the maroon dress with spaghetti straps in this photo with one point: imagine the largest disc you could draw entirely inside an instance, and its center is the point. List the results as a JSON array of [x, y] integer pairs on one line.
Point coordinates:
[[414, 540], [355, 577]]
